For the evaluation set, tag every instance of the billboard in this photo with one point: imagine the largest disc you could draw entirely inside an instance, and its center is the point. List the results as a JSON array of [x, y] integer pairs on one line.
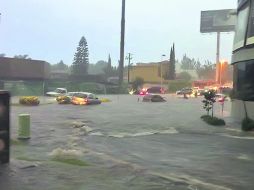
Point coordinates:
[[218, 21]]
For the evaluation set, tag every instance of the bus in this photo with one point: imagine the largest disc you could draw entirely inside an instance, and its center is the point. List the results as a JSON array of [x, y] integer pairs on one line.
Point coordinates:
[[243, 61]]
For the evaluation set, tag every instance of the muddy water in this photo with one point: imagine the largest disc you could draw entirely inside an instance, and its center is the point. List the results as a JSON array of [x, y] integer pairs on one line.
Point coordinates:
[[134, 145]]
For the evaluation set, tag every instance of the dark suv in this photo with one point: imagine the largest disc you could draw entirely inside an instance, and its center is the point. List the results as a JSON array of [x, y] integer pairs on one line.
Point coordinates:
[[156, 90]]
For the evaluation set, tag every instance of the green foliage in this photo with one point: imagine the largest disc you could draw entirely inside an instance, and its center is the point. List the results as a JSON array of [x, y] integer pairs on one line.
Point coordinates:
[[61, 66], [16, 142], [97, 68], [24, 158], [189, 63], [137, 83], [75, 162], [172, 62], [123, 89], [247, 124], [24, 88], [206, 71], [110, 71], [184, 76], [173, 86], [81, 61], [209, 101], [213, 120], [104, 68]]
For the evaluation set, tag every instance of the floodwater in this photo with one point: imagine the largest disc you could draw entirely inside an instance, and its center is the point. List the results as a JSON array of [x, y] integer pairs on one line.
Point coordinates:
[[131, 145]]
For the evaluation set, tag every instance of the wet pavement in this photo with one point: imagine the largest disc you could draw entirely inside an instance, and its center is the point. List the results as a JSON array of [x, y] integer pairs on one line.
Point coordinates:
[[131, 145]]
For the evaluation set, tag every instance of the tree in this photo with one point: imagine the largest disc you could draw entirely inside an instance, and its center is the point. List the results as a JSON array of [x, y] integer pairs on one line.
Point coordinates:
[[188, 63], [137, 83], [60, 66], [22, 56], [108, 69], [184, 76], [97, 68], [172, 62], [81, 61], [209, 101], [206, 71]]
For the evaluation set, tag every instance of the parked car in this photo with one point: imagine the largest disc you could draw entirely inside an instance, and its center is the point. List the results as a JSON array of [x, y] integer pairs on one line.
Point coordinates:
[[84, 98], [221, 97], [156, 90], [57, 92], [143, 91], [201, 92], [183, 91], [153, 98]]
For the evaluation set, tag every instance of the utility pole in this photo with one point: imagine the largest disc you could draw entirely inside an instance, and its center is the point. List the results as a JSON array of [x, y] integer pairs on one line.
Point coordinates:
[[121, 63], [163, 55], [129, 58], [218, 68]]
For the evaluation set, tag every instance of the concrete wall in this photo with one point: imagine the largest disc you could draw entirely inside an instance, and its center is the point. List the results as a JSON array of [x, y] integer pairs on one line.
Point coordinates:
[[237, 110]]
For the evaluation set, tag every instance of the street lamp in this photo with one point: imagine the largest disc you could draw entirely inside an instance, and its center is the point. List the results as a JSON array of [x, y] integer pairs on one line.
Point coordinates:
[[222, 62], [163, 55]]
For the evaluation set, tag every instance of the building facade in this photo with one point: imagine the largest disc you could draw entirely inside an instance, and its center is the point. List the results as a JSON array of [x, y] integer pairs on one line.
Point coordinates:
[[23, 69], [150, 72], [23, 76], [243, 62]]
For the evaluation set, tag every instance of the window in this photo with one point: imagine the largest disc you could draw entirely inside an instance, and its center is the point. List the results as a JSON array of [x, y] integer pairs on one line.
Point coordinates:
[[250, 34], [241, 27], [244, 80]]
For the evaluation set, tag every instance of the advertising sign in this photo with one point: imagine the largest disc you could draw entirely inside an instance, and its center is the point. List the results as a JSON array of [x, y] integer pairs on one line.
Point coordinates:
[[218, 21]]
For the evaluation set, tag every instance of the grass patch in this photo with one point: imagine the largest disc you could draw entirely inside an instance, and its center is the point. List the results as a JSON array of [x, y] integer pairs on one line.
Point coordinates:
[[247, 124], [24, 158], [75, 162], [16, 142], [213, 120], [41, 104]]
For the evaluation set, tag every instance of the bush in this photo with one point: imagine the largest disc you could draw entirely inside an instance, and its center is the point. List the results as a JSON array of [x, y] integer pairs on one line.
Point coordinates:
[[63, 100], [29, 100], [213, 120], [247, 124], [184, 76]]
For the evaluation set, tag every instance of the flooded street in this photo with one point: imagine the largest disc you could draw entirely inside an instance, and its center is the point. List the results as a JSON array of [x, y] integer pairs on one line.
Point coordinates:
[[131, 145]]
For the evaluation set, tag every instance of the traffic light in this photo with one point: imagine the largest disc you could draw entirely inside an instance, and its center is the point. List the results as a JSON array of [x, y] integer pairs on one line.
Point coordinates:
[[4, 127]]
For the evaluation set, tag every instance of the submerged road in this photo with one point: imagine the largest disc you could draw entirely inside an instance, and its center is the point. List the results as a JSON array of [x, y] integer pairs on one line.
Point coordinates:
[[131, 145]]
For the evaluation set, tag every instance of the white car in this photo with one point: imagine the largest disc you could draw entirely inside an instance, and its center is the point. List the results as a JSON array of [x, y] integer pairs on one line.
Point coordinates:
[[57, 92], [221, 97]]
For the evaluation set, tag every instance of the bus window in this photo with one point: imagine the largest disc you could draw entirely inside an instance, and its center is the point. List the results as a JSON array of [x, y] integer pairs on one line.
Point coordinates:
[[241, 27], [250, 34]]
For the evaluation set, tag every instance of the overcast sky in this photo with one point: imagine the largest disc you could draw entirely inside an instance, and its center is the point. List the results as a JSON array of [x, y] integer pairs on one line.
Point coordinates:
[[51, 29]]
